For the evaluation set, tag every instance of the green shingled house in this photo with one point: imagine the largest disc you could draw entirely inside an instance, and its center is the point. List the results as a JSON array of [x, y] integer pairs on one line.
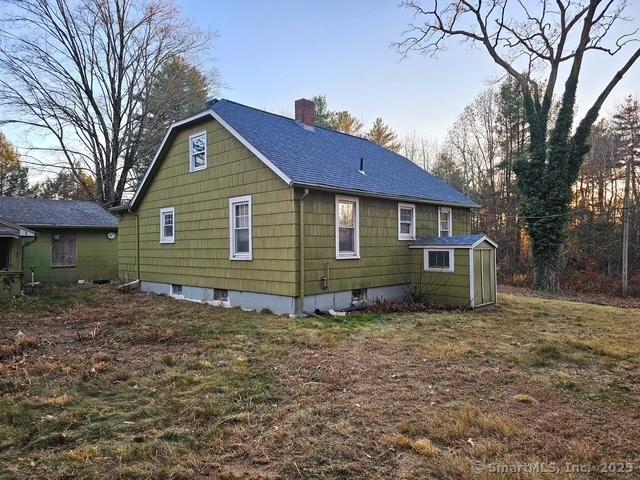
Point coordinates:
[[242, 207], [55, 242]]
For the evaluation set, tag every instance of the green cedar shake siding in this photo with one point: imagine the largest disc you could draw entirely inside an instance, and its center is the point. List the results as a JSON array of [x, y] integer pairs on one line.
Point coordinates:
[[384, 260], [447, 288], [96, 257], [200, 255]]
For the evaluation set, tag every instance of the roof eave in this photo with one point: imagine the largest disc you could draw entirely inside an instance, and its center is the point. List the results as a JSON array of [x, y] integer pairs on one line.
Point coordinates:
[[95, 227], [23, 231], [366, 193]]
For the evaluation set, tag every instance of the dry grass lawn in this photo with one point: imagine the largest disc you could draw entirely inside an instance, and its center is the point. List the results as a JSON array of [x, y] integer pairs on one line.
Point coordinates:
[[98, 384]]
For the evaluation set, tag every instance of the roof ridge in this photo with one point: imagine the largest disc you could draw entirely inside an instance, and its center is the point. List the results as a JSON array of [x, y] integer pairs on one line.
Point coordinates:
[[51, 199], [357, 137], [294, 120]]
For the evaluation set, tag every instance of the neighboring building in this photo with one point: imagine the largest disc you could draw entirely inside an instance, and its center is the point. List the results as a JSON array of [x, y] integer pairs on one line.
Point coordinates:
[[252, 209], [13, 238], [70, 240]]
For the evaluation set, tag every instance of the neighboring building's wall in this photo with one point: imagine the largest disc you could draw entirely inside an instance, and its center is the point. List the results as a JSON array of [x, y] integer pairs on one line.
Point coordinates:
[[127, 247], [96, 257], [200, 255], [384, 260], [11, 278], [446, 288]]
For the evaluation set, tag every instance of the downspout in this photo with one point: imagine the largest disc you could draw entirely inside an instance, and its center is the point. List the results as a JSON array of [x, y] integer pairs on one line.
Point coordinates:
[[301, 267], [24, 244]]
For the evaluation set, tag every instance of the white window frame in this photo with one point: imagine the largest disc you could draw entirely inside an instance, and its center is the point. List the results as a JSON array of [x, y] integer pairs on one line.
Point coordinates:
[[428, 268], [163, 212], [356, 229], [448, 210], [412, 230], [192, 167], [233, 255]]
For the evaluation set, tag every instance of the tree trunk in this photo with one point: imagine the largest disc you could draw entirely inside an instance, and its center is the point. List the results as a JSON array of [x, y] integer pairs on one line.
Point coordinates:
[[547, 268]]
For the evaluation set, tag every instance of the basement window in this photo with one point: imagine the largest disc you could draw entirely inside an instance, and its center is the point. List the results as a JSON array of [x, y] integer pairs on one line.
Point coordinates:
[[63, 250], [438, 261], [198, 152], [358, 296], [221, 295], [176, 290]]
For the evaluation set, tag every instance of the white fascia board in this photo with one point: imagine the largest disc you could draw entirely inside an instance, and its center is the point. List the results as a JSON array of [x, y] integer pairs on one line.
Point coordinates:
[[478, 242]]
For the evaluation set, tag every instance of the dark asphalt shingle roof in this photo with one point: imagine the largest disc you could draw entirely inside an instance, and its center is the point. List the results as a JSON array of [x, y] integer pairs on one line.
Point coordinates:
[[459, 241], [39, 212], [326, 158]]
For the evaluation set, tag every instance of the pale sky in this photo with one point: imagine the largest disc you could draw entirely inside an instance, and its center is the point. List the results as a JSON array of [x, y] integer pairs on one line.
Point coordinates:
[[271, 53]]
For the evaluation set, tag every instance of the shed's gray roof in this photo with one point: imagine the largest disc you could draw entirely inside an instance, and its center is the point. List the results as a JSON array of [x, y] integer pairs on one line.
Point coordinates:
[[459, 241], [322, 158], [39, 212]]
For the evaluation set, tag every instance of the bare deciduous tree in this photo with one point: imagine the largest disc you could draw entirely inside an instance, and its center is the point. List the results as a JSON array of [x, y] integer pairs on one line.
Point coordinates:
[[532, 43], [78, 71]]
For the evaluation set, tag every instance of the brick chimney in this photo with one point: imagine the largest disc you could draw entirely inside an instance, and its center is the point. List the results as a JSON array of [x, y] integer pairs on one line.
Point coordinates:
[[306, 112]]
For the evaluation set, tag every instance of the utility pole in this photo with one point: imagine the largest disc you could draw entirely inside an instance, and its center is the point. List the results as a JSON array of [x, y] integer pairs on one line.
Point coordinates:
[[625, 227]]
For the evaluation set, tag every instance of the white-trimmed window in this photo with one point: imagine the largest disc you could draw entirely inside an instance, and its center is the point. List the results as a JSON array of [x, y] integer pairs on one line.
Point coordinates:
[[240, 228], [198, 152], [445, 222], [439, 260], [167, 225], [347, 227], [406, 221]]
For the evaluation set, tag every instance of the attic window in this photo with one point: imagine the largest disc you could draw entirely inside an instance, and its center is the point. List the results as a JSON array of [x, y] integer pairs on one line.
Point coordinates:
[[198, 152]]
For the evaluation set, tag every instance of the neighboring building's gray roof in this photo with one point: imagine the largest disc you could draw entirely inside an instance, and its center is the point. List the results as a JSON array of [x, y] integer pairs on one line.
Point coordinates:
[[8, 229], [462, 241], [39, 212], [321, 158]]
